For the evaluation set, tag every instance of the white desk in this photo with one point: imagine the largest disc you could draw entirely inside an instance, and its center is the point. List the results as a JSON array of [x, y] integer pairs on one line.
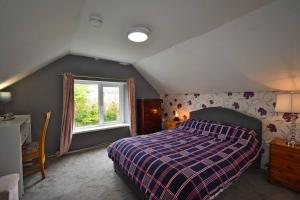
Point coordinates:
[[12, 135]]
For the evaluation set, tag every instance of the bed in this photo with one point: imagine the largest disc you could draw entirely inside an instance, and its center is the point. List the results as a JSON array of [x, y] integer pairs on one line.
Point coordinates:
[[197, 160]]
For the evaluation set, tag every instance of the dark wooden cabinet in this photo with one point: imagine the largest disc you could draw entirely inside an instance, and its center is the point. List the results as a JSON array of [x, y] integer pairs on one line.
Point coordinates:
[[148, 116]]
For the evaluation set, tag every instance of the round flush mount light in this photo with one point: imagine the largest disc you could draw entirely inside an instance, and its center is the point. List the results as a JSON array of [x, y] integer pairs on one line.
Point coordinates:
[[95, 20], [138, 34]]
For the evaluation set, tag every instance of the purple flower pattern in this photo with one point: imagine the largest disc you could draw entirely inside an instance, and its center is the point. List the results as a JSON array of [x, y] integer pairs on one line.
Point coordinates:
[[288, 117], [262, 111], [248, 95], [272, 127], [274, 124], [179, 105], [236, 105]]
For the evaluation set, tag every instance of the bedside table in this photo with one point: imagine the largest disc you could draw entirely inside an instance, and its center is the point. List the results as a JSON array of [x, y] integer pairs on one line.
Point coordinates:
[[284, 164], [171, 124]]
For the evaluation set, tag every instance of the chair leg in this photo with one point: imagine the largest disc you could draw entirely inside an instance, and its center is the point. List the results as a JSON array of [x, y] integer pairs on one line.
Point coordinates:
[[42, 168], [43, 171]]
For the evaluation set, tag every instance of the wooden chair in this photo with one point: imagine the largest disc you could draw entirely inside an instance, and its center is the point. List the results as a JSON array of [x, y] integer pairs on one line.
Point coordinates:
[[35, 152]]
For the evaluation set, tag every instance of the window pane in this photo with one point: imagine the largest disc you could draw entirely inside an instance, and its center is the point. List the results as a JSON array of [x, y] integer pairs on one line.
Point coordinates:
[[86, 105], [111, 103]]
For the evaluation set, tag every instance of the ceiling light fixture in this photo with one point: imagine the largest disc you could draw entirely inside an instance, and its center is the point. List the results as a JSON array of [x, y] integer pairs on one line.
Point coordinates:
[[138, 34]]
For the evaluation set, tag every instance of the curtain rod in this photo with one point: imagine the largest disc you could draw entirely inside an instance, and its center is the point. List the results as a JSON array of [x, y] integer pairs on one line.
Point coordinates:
[[95, 77]]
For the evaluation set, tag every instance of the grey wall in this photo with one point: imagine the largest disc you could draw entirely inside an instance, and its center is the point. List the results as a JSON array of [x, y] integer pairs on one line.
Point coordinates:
[[42, 91]]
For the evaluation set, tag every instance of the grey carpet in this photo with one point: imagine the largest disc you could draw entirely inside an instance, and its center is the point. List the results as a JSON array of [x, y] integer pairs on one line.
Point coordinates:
[[89, 175]]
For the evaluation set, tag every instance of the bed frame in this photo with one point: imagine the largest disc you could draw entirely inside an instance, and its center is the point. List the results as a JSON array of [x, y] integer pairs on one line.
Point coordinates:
[[220, 114]]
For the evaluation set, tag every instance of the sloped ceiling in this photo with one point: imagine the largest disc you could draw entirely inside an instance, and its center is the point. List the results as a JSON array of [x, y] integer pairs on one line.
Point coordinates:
[[33, 33], [170, 21], [194, 46], [259, 51]]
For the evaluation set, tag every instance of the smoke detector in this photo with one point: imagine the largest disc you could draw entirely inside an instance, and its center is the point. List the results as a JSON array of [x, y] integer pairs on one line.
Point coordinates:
[[95, 20]]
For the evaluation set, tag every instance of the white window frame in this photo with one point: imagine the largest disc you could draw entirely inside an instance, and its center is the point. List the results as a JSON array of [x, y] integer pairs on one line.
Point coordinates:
[[104, 125]]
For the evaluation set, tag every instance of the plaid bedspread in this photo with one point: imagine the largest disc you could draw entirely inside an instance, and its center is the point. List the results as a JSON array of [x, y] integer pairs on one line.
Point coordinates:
[[198, 160]]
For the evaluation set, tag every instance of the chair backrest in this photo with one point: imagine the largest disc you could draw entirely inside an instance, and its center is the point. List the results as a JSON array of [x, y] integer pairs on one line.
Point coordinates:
[[43, 133]]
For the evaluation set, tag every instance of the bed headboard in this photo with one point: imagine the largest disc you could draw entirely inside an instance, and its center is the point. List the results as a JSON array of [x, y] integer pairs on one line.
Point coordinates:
[[226, 115]]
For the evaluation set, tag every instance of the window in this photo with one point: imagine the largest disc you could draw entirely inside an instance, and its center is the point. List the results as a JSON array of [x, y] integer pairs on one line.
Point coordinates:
[[98, 104]]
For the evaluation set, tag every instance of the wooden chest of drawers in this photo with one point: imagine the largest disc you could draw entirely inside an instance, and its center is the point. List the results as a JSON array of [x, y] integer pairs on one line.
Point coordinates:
[[284, 164]]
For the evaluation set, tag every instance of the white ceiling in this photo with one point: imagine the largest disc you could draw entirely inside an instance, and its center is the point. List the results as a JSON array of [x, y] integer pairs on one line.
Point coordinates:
[[33, 33], [195, 45], [258, 51], [171, 21]]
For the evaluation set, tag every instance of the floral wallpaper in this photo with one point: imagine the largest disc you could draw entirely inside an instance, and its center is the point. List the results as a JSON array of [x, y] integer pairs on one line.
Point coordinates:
[[258, 104]]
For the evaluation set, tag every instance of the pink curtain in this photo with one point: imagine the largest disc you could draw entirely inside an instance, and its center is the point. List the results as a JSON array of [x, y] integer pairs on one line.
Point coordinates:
[[68, 113], [131, 106]]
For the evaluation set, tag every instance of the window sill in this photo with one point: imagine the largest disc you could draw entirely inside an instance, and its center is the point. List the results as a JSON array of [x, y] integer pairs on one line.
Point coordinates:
[[101, 128]]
